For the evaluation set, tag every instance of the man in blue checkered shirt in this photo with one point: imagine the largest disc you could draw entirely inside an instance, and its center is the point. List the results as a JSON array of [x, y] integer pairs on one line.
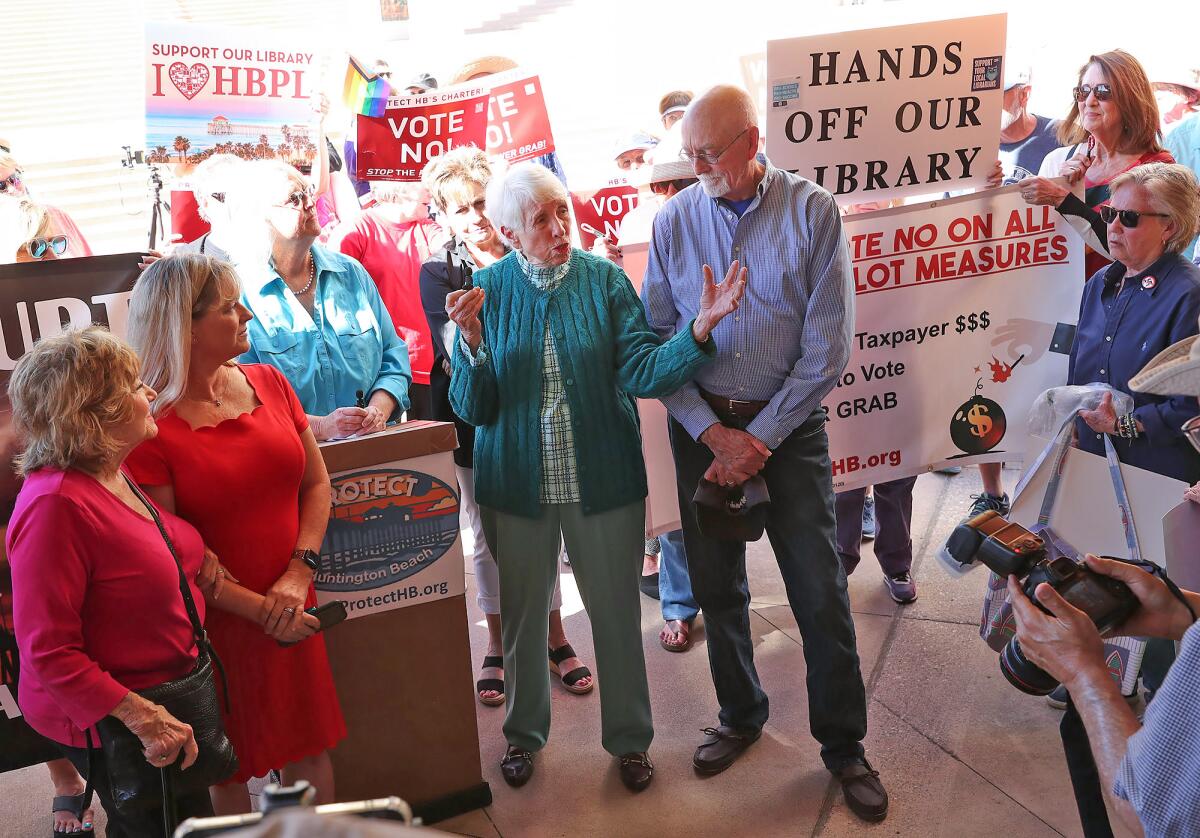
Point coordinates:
[[1151, 769], [756, 409]]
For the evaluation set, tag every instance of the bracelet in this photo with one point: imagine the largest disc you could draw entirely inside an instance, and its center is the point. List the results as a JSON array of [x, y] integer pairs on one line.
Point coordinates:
[[1127, 426]]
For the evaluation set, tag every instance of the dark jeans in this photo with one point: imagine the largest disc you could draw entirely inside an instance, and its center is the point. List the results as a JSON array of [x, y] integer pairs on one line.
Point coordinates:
[[800, 526], [893, 512], [145, 824]]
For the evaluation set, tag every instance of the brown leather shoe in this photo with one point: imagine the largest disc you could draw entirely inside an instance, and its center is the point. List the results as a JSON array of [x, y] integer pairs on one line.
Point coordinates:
[[517, 766], [636, 770], [721, 746], [864, 793]]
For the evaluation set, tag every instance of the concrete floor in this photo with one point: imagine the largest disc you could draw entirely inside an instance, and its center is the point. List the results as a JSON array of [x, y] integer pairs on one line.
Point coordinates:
[[962, 753]]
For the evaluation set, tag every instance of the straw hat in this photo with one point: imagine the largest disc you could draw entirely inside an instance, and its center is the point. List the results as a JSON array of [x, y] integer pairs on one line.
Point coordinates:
[[485, 66], [1173, 372]]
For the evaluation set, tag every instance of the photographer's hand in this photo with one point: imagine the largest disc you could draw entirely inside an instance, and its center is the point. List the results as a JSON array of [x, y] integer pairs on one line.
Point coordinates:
[[1160, 614], [1064, 642]]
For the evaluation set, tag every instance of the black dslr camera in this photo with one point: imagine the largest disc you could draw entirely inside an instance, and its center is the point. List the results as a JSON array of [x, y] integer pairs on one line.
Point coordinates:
[[1007, 548]]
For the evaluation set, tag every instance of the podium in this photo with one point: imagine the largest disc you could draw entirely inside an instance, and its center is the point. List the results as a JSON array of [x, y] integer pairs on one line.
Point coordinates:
[[402, 660]]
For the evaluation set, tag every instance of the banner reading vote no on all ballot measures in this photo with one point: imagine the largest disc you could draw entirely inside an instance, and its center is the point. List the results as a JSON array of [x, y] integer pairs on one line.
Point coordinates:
[[889, 113], [963, 317]]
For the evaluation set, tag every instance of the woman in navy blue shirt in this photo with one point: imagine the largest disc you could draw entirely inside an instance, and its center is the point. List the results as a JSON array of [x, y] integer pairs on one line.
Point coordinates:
[[1148, 299]]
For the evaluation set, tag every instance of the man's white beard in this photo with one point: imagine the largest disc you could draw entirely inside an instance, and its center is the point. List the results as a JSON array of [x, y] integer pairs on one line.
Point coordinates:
[[1007, 119], [714, 186]]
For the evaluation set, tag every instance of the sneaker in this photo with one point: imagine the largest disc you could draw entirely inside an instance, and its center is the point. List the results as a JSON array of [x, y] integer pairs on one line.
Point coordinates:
[[981, 502], [902, 587], [950, 470], [1058, 698], [868, 525]]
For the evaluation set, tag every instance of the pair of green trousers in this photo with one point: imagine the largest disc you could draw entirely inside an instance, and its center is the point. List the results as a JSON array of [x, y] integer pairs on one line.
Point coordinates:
[[606, 553]]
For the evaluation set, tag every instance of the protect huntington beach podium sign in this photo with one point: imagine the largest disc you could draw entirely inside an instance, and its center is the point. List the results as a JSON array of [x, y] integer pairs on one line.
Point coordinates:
[[231, 90]]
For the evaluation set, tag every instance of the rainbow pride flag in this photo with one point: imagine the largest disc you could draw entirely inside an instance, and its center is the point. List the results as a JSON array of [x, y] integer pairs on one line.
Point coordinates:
[[365, 93]]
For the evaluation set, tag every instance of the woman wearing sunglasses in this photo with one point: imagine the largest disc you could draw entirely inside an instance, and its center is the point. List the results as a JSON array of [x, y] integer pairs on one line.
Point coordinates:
[[318, 317], [12, 185], [1111, 128]]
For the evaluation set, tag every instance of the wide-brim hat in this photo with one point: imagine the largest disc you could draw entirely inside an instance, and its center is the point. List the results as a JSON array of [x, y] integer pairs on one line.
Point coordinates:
[[733, 513], [1173, 372], [485, 66]]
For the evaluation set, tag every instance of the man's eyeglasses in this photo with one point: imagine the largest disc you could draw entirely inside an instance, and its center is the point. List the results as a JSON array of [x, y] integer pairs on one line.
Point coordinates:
[[1103, 92], [1191, 429], [38, 247], [663, 187], [219, 197], [299, 199], [13, 181], [709, 158], [1129, 218]]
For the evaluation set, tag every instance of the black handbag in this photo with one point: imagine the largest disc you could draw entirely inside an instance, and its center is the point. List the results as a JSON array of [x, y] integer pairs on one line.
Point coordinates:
[[136, 785]]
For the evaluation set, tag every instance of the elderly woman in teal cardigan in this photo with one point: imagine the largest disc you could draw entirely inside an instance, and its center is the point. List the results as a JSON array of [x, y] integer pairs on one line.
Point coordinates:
[[553, 343]]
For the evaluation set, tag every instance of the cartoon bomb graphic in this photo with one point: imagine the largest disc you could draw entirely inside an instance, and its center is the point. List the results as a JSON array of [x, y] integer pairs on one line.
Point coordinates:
[[978, 424]]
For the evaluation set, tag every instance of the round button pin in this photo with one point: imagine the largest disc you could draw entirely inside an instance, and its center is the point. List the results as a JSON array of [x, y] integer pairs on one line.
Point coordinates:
[[1149, 282]]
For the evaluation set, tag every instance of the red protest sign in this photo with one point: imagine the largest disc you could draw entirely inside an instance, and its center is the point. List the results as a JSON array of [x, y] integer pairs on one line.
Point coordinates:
[[603, 210], [186, 223], [518, 125], [415, 129]]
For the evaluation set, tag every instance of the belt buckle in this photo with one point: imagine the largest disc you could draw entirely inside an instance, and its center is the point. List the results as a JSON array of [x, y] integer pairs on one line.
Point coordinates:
[[734, 402]]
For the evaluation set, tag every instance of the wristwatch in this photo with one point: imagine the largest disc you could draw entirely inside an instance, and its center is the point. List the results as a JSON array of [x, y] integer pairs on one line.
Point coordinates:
[[309, 557]]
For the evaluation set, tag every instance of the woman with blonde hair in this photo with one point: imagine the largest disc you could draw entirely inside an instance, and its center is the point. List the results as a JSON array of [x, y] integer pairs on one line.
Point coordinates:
[[235, 457]]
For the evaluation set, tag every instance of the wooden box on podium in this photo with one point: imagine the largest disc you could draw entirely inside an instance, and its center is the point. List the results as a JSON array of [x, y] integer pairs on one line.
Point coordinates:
[[401, 662]]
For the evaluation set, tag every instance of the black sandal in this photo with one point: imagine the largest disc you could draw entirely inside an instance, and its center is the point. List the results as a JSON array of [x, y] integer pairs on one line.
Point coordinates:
[[491, 684], [74, 805], [570, 680]]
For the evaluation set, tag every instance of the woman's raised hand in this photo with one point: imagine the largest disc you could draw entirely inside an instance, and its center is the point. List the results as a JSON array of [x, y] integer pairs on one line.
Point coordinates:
[[716, 301], [463, 307]]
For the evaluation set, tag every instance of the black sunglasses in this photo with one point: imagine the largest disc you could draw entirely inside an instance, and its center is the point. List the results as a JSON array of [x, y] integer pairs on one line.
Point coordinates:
[[38, 247], [1103, 92], [1129, 218], [13, 180]]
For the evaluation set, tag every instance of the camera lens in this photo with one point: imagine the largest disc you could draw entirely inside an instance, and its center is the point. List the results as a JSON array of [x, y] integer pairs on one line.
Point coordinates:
[[1022, 674]]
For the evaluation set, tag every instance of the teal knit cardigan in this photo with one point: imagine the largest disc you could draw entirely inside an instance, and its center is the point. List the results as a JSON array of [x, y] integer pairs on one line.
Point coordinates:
[[605, 350]]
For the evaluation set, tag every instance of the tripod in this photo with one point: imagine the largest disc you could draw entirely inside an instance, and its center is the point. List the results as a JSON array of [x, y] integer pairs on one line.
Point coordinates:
[[157, 224]]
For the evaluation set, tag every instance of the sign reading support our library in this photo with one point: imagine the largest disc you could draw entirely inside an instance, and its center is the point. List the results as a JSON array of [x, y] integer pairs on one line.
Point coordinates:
[[887, 113]]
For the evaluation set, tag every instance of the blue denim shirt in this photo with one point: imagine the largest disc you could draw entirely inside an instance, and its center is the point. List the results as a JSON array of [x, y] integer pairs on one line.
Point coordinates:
[[1119, 332], [347, 344]]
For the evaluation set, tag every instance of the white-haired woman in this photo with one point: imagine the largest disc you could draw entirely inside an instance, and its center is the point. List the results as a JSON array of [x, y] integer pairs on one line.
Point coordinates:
[[318, 317], [235, 457], [552, 344]]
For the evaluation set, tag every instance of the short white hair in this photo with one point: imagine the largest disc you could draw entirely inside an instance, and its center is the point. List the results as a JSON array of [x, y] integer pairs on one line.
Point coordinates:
[[220, 173], [512, 195]]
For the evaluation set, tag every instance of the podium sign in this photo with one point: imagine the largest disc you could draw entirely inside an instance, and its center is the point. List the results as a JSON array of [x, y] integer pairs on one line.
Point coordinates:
[[392, 539]]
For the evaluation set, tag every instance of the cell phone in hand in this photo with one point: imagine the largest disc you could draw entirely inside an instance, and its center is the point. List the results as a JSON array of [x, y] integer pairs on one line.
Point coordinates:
[[328, 615]]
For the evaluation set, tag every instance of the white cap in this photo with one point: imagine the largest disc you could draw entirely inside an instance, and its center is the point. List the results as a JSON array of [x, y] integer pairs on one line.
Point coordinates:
[[1016, 73]]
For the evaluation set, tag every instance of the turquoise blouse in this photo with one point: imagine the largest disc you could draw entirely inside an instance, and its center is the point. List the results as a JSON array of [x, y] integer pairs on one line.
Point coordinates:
[[347, 344]]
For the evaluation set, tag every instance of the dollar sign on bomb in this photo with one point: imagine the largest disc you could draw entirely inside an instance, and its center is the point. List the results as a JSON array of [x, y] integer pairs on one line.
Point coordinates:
[[978, 425]]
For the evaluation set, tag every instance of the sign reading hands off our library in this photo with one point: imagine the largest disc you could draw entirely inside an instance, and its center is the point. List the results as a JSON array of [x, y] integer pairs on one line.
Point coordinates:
[[878, 114]]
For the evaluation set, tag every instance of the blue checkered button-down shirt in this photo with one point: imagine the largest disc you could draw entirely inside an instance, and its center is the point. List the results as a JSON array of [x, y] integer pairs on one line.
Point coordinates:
[[1160, 774], [790, 339]]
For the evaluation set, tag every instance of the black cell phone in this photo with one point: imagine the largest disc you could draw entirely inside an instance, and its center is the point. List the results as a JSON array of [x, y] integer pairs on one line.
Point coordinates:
[[329, 614]]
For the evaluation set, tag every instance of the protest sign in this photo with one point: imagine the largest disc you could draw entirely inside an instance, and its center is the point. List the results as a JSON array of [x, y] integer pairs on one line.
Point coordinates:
[[887, 113], [38, 299], [230, 90], [518, 125], [504, 114], [415, 129], [963, 317], [603, 209]]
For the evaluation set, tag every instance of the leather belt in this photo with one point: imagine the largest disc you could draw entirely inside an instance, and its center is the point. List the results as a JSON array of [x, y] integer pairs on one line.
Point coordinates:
[[738, 408]]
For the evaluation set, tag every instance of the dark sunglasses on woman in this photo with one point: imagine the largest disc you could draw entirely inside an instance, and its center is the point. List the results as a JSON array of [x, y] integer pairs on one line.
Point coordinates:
[[1129, 218], [38, 247], [12, 181], [1103, 92]]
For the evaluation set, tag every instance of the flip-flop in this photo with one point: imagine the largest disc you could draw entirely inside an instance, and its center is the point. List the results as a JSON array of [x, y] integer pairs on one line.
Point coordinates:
[[490, 684], [75, 806], [685, 628], [570, 680]]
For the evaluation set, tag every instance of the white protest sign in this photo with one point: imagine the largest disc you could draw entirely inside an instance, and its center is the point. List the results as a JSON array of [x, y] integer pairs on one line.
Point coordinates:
[[963, 313], [887, 113]]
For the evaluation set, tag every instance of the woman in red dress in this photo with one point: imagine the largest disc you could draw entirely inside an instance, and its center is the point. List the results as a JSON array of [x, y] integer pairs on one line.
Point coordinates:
[[235, 458]]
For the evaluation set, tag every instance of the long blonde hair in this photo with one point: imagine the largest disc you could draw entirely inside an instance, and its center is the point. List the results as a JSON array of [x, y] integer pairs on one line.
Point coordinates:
[[166, 298]]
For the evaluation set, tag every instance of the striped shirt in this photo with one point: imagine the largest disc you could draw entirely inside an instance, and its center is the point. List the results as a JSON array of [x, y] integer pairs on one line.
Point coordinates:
[[790, 339], [1160, 774]]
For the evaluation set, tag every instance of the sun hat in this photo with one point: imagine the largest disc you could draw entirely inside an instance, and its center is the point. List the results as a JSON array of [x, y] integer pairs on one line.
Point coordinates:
[[1173, 372]]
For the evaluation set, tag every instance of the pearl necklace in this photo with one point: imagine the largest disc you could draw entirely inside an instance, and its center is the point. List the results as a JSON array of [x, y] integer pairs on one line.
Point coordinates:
[[312, 275]]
